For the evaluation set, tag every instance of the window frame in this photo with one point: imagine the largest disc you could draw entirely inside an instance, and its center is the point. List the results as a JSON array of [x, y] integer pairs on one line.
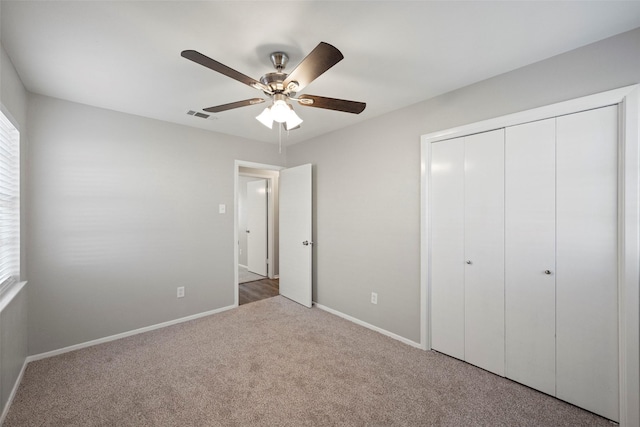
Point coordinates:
[[10, 138]]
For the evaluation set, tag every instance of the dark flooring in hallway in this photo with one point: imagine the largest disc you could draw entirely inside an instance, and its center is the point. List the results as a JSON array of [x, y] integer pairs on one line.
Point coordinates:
[[258, 290]]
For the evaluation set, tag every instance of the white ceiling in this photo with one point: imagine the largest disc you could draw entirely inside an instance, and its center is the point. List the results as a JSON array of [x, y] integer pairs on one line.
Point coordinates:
[[125, 55]]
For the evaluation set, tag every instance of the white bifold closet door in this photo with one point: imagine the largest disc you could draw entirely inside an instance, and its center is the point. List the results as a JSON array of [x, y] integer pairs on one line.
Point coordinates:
[[467, 242], [561, 301], [484, 250], [530, 255], [447, 243], [587, 260]]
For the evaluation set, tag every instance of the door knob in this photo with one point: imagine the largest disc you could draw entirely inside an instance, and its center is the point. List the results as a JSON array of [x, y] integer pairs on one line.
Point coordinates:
[[468, 261], [547, 272], [307, 243], [248, 231]]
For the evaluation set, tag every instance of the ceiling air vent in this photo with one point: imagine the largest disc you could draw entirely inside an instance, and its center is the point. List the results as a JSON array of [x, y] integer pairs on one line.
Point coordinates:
[[201, 115]]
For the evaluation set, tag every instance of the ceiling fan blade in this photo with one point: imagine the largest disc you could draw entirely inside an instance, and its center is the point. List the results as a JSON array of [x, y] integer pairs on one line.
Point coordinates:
[[231, 106], [205, 61], [332, 103], [323, 57]]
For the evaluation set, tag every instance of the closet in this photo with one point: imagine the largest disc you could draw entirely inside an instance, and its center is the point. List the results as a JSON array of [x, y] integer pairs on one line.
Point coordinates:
[[524, 254], [468, 249]]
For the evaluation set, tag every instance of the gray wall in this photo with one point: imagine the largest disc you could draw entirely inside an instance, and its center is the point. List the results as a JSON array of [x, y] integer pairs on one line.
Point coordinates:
[[13, 318], [367, 225], [124, 209], [13, 344]]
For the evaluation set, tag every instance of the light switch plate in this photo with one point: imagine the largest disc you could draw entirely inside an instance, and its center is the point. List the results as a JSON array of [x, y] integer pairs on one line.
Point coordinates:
[[222, 209]]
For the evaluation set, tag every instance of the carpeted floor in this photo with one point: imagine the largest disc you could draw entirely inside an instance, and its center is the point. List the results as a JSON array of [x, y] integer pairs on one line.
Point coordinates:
[[269, 363]]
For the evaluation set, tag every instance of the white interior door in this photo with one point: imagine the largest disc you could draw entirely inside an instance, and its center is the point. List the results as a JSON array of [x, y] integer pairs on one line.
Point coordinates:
[[587, 261], [447, 247], [530, 254], [484, 250], [257, 227], [296, 246]]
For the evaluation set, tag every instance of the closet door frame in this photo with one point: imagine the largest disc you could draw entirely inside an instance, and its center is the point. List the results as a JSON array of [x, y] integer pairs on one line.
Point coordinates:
[[628, 101]]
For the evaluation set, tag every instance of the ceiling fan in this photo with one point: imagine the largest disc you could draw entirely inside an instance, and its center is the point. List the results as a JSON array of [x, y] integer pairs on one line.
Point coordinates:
[[282, 87]]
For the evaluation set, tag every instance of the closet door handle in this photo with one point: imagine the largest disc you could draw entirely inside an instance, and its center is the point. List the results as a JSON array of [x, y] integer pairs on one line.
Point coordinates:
[[547, 272], [469, 261]]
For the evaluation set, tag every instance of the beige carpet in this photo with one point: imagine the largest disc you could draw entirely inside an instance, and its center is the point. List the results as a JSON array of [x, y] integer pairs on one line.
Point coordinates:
[[268, 363]]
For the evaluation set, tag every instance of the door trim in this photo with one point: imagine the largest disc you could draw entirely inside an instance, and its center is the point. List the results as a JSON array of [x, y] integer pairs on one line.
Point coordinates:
[[628, 101], [271, 226]]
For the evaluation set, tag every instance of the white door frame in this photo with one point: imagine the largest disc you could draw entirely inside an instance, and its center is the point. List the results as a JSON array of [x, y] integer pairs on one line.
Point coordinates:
[[628, 101], [270, 226]]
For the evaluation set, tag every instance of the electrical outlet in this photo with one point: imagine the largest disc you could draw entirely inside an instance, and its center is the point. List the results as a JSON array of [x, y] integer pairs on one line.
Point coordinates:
[[180, 291], [240, 251], [374, 298]]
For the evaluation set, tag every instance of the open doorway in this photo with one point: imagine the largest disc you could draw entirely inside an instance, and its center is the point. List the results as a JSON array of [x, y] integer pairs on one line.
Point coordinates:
[[256, 231]]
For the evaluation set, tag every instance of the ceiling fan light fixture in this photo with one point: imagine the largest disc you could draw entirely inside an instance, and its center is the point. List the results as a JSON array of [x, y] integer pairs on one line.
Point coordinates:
[[266, 118], [293, 120], [280, 111]]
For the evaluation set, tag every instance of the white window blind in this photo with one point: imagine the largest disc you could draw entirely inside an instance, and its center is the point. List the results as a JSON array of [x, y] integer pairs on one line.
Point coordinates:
[[9, 203]]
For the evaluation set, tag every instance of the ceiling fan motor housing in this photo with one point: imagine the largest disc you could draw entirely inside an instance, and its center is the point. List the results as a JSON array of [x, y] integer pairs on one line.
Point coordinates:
[[274, 81], [279, 60]]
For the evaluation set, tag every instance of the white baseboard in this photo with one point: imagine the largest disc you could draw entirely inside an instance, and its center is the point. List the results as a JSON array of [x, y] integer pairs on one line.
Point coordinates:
[[125, 334], [370, 326], [244, 266], [14, 390]]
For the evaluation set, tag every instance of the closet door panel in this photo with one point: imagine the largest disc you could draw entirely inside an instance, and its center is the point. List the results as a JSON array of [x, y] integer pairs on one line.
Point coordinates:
[[484, 250], [447, 247], [529, 252], [586, 280]]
